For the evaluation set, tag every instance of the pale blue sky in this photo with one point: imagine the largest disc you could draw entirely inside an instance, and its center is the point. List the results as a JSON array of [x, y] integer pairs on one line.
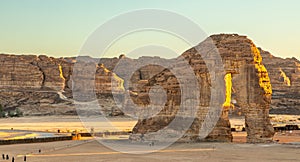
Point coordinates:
[[60, 27]]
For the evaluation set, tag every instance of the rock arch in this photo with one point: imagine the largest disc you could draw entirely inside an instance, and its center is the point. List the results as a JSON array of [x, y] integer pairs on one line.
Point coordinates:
[[245, 76]]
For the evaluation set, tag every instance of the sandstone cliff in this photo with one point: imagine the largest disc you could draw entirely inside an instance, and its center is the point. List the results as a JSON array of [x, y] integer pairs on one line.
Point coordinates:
[[41, 85], [285, 80]]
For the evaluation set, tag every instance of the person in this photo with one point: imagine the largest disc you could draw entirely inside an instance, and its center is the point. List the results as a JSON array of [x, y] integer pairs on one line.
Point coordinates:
[[3, 156], [92, 131], [7, 157], [25, 158], [151, 143], [13, 159], [142, 137], [40, 150]]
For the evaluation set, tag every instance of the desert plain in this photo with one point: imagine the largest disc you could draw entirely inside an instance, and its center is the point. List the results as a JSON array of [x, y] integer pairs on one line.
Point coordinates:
[[285, 148]]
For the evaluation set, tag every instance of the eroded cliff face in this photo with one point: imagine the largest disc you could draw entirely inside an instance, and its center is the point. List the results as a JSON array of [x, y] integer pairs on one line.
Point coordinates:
[[31, 72], [41, 85], [244, 71], [19, 72], [285, 80]]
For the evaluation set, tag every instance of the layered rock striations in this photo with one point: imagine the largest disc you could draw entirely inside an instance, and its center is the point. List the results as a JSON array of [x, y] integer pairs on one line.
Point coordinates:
[[32, 72], [42, 85], [285, 80], [20, 72], [247, 83]]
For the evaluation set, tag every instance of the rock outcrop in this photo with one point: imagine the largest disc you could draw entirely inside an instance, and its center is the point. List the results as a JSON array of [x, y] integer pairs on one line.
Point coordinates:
[[244, 71], [31, 72], [20, 72], [285, 80], [41, 85]]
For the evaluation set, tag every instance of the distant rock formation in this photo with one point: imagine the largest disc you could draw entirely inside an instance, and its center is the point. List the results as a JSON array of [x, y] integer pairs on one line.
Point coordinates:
[[246, 78], [285, 80], [30, 72], [41, 85]]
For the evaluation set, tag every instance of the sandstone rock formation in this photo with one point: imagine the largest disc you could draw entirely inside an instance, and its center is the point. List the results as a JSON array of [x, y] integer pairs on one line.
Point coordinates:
[[41, 85], [18, 72], [285, 79], [244, 70], [31, 72]]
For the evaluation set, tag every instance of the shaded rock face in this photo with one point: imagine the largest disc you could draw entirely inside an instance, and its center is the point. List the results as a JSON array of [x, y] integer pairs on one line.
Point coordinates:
[[19, 72], [247, 83], [285, 80], [30, 83], [50, 80], [41, 85], [89, 77], [52, 73], [31, 72]]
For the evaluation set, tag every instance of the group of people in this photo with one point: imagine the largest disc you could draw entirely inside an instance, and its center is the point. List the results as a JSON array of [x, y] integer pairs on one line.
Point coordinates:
[[6, 157], [12, 159]]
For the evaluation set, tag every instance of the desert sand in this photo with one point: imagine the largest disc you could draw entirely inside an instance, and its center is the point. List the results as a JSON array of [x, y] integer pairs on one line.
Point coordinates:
[[79, 151], [88, 149], [65, 124]]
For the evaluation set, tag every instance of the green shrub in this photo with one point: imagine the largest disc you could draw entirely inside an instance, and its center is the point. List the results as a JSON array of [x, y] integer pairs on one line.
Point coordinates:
[[19, 113], [2, 113], [16, 113]]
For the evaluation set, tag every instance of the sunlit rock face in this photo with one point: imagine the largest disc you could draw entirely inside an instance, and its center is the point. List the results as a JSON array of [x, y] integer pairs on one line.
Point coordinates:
[[246, 81], [285, 80], [251, 87], [52, 73]]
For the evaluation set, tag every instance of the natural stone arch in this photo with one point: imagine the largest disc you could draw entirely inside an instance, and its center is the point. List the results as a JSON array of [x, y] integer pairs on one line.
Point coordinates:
[[253, 93], [244, 71]]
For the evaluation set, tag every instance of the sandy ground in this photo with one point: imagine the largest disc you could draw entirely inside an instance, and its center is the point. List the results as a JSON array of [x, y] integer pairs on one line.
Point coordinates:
[[81, 151], [281, 137], [91, 150], [67, 124]]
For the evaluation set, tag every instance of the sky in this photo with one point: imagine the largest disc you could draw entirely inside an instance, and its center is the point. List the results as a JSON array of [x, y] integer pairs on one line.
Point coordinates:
[[59, 28]]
